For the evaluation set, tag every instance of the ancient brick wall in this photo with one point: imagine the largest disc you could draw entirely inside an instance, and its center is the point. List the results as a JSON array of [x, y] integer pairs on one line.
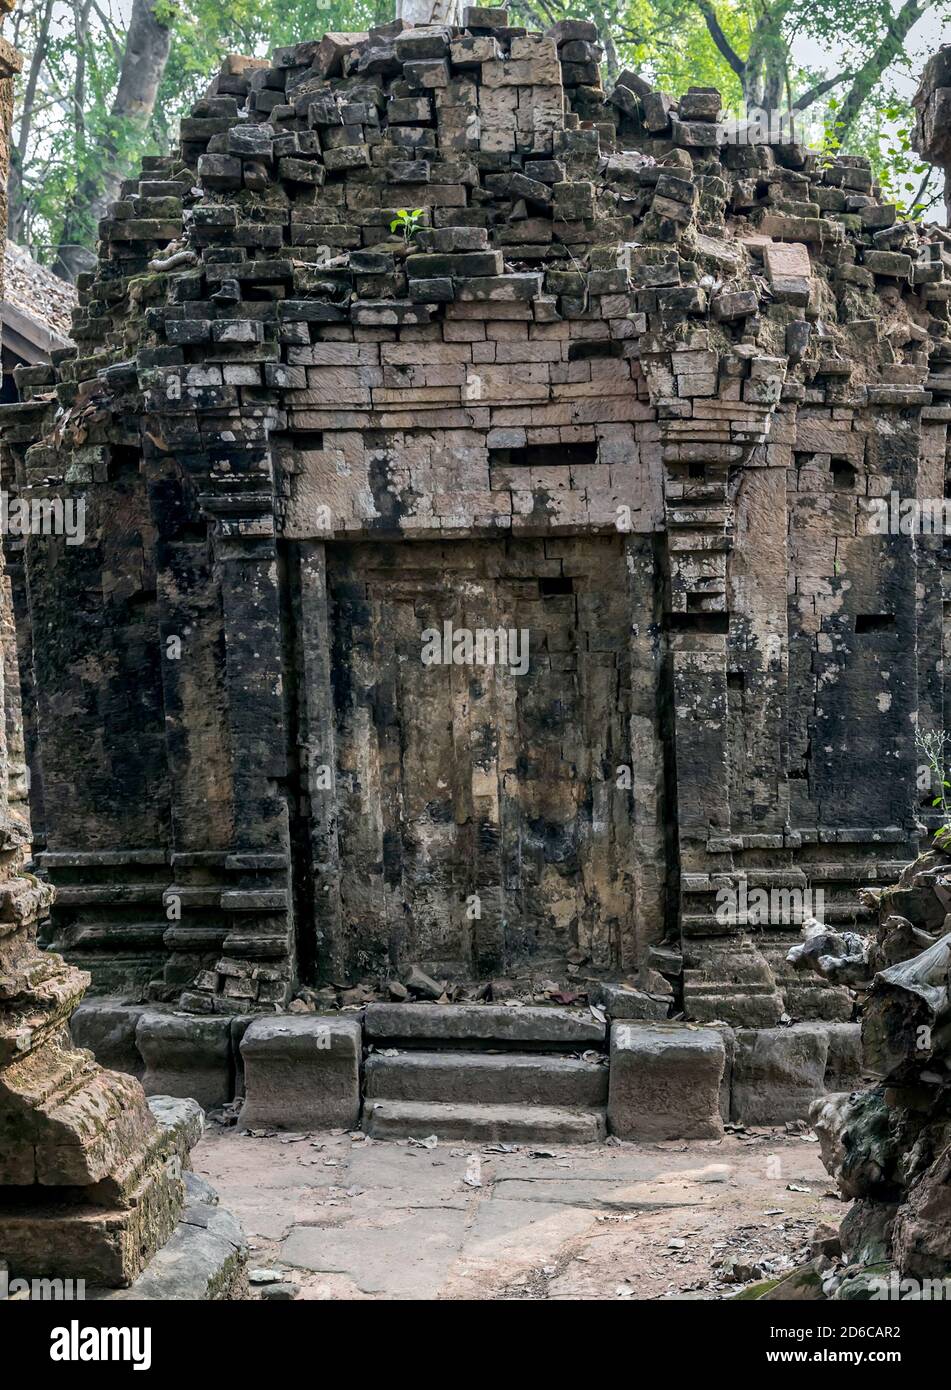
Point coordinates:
[[633, 386]]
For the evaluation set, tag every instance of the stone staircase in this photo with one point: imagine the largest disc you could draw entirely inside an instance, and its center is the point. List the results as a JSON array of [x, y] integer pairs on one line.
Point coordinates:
[[480, 1072]]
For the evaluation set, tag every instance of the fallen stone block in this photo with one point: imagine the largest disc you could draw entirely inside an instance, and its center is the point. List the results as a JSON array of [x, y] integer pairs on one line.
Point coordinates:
[[778, 1072], [187, 1055], [302, 1072], [665, 1081], [624, 1001]]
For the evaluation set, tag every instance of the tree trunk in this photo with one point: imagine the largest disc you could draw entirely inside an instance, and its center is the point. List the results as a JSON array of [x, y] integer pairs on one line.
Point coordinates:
[[143, 64], [869, 74], [774, 86], [81, 29], [429, 11], [611, 62], [17, 210]]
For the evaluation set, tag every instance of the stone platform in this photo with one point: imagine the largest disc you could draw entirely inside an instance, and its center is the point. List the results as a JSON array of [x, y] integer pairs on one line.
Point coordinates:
[[475, 1222], [497, 1072]]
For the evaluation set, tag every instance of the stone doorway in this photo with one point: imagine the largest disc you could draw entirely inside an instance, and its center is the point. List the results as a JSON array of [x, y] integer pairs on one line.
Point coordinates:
[[480, 826]]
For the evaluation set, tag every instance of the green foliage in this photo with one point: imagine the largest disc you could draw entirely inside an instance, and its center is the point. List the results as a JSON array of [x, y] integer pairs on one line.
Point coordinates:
[[407, 221], [678, 51], [883, 132]]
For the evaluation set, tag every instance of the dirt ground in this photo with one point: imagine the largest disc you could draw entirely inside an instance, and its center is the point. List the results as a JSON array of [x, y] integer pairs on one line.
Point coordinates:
[[343, 1217]]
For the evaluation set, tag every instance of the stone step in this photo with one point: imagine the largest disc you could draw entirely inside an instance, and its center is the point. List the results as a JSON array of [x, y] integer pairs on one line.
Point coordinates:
[[489, 1025], [479, 1124], [490, 1078]]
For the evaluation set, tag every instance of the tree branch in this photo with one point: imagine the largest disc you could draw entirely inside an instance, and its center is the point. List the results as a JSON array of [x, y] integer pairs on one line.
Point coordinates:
[[891, 46], [916, 201], [110, 32], [819, 90], [720, 39]]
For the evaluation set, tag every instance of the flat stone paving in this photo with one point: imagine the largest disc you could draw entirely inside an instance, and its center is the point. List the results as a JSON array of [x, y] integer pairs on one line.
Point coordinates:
[[351, 1218]]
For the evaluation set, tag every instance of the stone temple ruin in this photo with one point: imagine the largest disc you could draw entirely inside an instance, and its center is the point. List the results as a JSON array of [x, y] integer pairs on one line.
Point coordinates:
[[94, 1181], [513, 605]]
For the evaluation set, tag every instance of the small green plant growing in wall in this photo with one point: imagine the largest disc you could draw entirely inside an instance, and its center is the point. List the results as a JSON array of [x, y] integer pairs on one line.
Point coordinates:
[[407, 221], [933, 747]]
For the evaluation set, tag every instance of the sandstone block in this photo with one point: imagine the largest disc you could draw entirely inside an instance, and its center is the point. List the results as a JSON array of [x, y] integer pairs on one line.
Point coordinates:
[[484, 17], [778, 1072], [657, 109], [789, 271], [665, 1081], [894, 263], [470, 51], [219, 171], [186, 1055], [203, 1260], [302, 1072], [483, 1024], [736, 305], [700, 104], [624, 1001]]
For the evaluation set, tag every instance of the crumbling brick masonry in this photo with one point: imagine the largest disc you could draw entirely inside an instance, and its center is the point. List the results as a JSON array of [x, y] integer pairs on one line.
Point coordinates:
[[635, 386]]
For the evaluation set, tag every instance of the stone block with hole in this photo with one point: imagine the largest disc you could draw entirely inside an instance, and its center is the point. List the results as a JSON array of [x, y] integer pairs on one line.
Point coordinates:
[[302, 1072], [665, 1081]]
